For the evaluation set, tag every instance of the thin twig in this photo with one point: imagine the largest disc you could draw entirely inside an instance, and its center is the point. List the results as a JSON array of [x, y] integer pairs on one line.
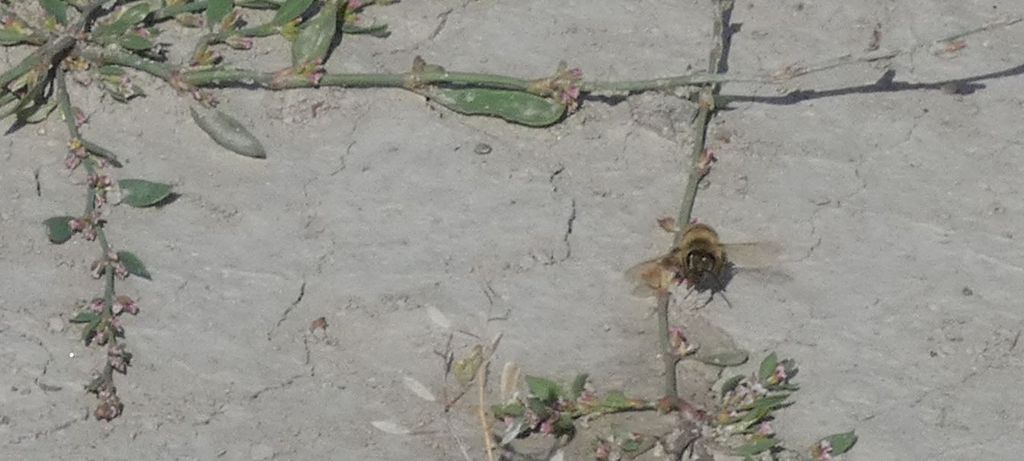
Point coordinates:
[[485, 423]]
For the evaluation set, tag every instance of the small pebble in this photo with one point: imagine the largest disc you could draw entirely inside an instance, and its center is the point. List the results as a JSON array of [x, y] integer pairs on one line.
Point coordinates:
[[967, 291], [482, 149]]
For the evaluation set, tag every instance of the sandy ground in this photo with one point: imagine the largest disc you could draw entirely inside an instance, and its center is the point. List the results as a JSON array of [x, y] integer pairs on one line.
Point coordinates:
[[899, 208]]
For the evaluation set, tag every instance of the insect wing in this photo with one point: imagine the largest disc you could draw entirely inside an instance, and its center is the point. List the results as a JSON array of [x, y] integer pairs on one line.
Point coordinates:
[[753, 254], [649, 277]]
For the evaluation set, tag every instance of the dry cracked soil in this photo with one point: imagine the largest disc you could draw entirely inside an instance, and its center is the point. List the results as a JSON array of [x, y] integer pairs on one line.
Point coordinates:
[[897, 200]]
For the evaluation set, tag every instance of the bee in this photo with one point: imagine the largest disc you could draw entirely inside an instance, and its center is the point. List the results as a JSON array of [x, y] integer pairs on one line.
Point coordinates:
[[700, 260]]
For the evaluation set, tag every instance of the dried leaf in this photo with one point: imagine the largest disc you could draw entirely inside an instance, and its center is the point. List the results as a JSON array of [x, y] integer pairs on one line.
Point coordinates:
[[390, 427], [438, 317], [509, 381], [419, 389], [465, 369]]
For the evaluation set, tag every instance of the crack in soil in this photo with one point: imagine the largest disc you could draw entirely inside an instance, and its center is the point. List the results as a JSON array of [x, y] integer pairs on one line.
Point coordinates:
[[288, 310]]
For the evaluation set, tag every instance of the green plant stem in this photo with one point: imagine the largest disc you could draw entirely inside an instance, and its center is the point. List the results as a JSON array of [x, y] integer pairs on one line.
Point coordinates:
[[700, 125], [67, 113], [225, 77]]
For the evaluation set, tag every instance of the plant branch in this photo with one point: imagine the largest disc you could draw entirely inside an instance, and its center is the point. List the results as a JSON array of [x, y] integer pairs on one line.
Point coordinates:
[[716, 64]]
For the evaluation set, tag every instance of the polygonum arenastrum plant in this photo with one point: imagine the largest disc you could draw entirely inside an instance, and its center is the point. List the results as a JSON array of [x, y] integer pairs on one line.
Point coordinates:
[[101, 316]]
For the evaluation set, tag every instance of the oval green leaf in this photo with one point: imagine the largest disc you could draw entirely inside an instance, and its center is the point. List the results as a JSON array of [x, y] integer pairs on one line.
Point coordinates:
[[85, 317], [755, 447], [227, 132], [841, 443], [102, 152], [135, 42], [58, 230], [512, 106], [57, 8], [544, 389], [129, 17], [140, 193], [730, 384], [10, 37], [768, 365], [314, 40], [290, 10], [133, 264], [217, 10]]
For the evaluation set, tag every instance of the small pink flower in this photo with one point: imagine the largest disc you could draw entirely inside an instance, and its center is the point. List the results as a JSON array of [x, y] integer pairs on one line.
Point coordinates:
[[120, 271], [823, 452], [76, 225], [72, 161], [80, 117], [548, 426], [765, 429], [354, 5], [100, 337], [780, 375], [96, 305], [125, 304]]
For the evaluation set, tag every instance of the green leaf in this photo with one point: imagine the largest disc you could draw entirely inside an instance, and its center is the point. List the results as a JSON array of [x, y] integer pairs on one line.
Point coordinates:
[[111, 71], [731, 384], [140, 193], [841, 443], [89, 330], [755, 447], [724, 359], [578, 385], [39, 113], [57, 8], [135, 42], [767, 368], [379, 31], [615, 400], [10, 37], [217, 10], [314, 40], [128, 18], [771, 402], [58, 230], [102, 152], [511, 409], [133, 264], [85, 317], [227, 132], [512, 106], [545, 390], [290, 10], [564, 425]]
